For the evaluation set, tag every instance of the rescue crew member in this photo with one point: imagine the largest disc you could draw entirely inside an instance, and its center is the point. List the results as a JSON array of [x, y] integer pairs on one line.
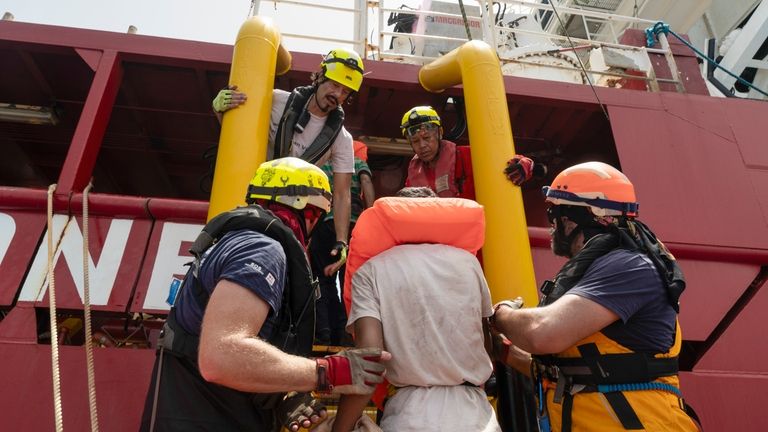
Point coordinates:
[[605, 339], [331, 316], [445, 167], [308, 123], [425, 303], [233, 342]]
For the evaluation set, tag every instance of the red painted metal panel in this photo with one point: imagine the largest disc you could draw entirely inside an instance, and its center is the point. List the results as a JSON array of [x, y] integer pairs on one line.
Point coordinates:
[[30, 199], [747, 118], [539, 237], [141, 207], [81, 157], [712, 289], [140, 45], [760, 183], [727, 402], [21, 231], [663, 154], [741, 347], [129, 266], [122, 379], [706, 115], [20, 325], [166, 255]]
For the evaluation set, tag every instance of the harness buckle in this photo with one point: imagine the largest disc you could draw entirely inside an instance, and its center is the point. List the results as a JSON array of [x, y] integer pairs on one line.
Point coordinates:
[[563, 383]]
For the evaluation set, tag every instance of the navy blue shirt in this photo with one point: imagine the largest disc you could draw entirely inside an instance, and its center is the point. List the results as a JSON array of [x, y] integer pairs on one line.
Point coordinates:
[[628, 284], [248, 258]]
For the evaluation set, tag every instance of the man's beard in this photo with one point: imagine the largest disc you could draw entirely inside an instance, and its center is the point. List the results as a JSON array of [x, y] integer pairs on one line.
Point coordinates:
[[561, 243]]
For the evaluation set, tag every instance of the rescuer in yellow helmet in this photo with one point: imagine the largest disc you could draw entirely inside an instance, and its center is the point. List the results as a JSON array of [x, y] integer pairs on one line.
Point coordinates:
[[233, 351], [445, 167], [604, 344], [308, 123]]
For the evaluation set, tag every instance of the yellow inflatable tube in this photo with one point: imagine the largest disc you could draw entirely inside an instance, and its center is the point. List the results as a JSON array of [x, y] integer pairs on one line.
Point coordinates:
[[257, 58], [506, 254]]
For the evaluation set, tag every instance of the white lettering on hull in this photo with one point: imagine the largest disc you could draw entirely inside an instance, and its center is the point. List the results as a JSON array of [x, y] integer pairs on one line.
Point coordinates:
[[102, 274], [169, 262]]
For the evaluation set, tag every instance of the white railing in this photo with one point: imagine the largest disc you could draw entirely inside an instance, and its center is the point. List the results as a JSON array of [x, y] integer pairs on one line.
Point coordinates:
[[588, 30]]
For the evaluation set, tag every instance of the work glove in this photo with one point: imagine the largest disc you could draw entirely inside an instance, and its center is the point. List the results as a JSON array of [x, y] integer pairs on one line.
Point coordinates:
[[339, 250], [228, 98], [520, 169], [298, 410], [517, 303], [353, 371]]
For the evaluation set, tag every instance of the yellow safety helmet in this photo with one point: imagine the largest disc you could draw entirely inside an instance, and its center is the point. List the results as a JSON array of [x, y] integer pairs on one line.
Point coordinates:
[[291, 181], [345, 67], [417, 116]]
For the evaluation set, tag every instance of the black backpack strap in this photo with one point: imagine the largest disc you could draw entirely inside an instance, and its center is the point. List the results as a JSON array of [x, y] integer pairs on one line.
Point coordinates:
[[295, 115]]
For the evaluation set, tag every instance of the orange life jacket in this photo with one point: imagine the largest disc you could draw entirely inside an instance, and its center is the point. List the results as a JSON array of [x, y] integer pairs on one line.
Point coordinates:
[[396, 221]]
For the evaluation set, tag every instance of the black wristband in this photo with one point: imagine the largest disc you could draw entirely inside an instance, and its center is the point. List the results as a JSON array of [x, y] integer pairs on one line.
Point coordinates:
[[323, 386]]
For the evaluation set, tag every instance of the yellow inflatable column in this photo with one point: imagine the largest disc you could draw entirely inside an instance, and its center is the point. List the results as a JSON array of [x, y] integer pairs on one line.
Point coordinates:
[[506, 254], [245, 130]]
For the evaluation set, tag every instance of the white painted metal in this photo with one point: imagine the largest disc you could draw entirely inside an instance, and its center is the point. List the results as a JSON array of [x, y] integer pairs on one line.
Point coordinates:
[[742, 52]]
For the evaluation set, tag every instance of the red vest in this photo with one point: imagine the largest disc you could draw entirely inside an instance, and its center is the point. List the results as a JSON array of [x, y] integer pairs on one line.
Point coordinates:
[[451, 176]]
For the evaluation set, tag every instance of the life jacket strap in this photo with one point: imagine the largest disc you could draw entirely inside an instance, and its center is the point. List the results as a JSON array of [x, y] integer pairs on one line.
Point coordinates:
[[593, 368]]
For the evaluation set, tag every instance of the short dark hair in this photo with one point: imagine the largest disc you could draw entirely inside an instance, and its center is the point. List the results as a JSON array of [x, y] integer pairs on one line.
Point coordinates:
[[416, 192]]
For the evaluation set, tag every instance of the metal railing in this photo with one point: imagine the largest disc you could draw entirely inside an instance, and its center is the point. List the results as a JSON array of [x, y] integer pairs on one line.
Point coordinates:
[[588, 29]]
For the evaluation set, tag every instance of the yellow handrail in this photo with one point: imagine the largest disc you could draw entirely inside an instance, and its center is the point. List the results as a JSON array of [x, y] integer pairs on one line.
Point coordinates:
[[506, 254], [257, 58]]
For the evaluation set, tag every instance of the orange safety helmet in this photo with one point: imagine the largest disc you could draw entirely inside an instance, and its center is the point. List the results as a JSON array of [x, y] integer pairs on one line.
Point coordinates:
[[602, 188]]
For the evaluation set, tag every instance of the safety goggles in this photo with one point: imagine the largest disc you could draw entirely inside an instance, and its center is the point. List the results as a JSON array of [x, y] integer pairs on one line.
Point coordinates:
[[419, 128], [552, 214], [348, 62]]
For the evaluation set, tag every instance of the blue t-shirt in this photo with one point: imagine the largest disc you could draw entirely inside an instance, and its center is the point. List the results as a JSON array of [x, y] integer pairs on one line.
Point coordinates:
[[247, 258], [628, 284]]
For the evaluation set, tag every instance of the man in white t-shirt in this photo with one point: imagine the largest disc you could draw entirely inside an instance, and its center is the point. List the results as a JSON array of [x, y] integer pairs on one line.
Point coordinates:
[[308, 123], [426, 304]]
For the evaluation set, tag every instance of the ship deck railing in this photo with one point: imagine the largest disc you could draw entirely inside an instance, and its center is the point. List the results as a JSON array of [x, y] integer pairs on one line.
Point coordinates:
[[588, 29]]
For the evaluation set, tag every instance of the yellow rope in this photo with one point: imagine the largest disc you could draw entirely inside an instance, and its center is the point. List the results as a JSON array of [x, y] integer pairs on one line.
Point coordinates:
[[54, 326], [87, 313]]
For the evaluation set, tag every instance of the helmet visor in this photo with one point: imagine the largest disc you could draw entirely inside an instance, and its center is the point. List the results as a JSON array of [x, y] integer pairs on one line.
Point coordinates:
[[414, 130]]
